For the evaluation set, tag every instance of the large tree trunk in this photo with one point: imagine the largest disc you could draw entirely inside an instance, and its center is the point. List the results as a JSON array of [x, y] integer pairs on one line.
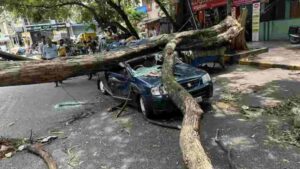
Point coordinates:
[[9, 56], [239, 42], [193, 153], [19, 73]]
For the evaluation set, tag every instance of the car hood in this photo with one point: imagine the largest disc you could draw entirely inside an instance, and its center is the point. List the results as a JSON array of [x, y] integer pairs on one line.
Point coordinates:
[[183, 72]]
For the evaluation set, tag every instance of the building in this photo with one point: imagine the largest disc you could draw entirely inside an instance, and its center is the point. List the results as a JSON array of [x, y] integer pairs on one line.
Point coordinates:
[[276, 18], [155, 22], [209, 12], [53, 29], [8, 37], [266, 20]]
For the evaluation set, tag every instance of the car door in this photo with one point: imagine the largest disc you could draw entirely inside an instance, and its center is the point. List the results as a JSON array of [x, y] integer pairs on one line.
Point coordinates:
[[119, 83]]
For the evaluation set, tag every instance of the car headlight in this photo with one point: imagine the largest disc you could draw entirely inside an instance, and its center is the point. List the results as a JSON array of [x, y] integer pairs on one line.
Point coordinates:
[[159, 90], [155, 91], [206, 78]]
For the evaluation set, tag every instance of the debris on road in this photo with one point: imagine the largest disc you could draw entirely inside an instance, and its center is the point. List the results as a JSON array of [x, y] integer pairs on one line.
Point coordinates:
[[8, 147], [48, 139], [11, 124], [73, 158]]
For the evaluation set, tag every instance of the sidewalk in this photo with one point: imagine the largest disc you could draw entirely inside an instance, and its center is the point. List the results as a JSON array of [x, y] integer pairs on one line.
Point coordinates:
[[281, 54]]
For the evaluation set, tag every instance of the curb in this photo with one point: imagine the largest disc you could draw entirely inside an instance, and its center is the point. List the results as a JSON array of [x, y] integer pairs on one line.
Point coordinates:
[[265, 65], [235, 58]]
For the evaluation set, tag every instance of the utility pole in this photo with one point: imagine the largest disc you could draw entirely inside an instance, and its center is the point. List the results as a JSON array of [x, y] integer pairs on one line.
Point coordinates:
[[229, 5]]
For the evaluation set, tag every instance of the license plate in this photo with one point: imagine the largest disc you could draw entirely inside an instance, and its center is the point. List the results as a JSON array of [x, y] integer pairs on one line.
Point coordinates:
[[198, 99]]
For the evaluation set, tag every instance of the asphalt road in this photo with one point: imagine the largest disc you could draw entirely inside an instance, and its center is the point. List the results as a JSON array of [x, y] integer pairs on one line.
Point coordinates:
[[102, 141], [97, 141]]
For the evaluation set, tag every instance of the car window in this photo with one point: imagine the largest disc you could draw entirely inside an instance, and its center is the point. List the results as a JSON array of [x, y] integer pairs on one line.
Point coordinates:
[[149, 65], [148, 71]]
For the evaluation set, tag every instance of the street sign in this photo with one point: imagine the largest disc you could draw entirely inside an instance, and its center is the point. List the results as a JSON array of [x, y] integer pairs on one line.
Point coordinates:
[[45, 27], [255, 21]]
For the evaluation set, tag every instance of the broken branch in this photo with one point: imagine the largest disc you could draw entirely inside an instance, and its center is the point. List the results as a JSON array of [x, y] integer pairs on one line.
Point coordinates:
[[39, 150]]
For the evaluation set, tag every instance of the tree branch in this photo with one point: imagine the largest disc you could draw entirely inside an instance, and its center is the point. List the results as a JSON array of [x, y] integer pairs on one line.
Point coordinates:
[[122, 14], [175, 25], [100, 20]]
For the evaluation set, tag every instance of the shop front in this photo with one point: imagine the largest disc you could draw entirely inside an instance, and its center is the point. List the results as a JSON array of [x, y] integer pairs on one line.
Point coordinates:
[[209, 12], [47, 30]]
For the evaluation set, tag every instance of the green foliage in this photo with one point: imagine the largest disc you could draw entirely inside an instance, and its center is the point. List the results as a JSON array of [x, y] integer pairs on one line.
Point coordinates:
[[287, 109], [283, 129], [91, 26], [77, 10], [134, 15], [36, 10]]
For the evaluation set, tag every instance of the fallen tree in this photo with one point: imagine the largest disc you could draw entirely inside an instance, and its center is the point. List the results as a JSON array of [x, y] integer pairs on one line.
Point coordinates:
[[19, 73], [32, 72], [9, 56], [193, 153]]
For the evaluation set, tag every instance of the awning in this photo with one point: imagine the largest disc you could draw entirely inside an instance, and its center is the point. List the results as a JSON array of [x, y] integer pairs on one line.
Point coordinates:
[[243, 2], [207, 4]]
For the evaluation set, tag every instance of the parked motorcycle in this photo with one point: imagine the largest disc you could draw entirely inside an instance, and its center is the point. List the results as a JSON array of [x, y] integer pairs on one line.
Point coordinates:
[[294, 34]]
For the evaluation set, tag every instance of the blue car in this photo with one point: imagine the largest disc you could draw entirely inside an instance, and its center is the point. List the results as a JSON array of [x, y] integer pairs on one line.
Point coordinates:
[[139, 81]]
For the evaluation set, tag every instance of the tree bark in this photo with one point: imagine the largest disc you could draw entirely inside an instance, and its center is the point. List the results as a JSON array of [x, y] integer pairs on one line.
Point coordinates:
[[239, 42], [9, 56], [193, 153], [39, 150]]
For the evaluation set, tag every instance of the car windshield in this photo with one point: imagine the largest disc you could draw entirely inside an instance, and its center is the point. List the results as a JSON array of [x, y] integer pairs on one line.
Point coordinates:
[[148, 71], [150, 65]]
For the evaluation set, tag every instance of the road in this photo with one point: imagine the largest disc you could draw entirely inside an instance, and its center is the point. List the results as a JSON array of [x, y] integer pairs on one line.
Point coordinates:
[[97, 141], [100, 140]]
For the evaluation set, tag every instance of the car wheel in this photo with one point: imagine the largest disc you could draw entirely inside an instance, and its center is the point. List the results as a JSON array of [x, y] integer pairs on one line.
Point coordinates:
[[144, 108], [206, 106], [102, 88], [294, 40]]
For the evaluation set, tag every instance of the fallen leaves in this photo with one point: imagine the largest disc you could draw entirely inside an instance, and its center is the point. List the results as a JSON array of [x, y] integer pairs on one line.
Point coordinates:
[[73, 158], [8, 147]]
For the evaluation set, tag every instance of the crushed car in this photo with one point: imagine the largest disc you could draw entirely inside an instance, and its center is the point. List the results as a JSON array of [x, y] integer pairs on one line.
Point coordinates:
[[139, 82]]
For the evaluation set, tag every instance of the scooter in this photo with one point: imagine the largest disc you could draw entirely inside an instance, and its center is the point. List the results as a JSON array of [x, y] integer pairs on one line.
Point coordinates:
[[294, 34]]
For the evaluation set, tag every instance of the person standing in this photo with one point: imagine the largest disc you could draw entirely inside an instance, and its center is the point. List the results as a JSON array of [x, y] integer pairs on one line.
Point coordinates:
[[42, 44], [27, 44], [62, 51], [49, 50]]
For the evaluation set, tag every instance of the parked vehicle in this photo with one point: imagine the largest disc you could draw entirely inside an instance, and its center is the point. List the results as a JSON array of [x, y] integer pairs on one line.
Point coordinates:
[[85, 36], [294, 34], [139, 81]]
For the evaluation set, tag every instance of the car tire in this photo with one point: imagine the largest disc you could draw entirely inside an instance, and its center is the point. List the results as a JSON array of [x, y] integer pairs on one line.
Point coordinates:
[[294, 40], [206, 106], [146, 111], [102, 88]]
